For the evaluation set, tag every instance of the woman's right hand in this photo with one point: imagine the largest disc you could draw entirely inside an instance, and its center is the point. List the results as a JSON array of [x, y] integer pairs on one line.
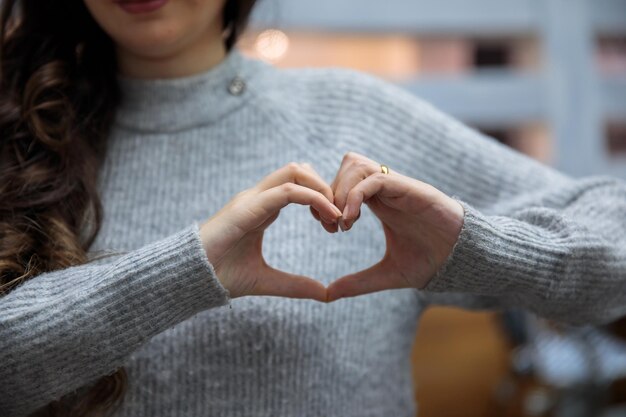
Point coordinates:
[[233, 237]]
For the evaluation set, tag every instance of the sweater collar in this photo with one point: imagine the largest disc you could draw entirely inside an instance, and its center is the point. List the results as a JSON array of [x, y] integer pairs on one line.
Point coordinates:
[[173, 104]]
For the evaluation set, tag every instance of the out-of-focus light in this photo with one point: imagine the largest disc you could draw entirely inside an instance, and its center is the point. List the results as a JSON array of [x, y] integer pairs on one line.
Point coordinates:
[[271, 44]]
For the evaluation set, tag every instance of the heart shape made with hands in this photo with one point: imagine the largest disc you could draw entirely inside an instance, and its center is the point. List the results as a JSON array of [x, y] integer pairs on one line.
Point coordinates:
[[421, 224]]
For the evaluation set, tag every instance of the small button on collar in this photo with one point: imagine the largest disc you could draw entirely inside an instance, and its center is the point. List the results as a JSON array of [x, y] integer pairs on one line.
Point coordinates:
[[236, 86]]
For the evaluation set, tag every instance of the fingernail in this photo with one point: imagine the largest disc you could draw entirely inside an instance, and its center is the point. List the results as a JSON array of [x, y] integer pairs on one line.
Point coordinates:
[[346, 211], [342, 225]]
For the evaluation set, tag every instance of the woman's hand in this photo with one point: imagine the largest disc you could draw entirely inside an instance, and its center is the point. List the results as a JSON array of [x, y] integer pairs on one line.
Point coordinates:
[[421, 226], [233, 237]]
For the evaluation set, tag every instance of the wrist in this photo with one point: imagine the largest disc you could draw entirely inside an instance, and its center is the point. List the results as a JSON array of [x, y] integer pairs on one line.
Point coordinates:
[[213, 245]]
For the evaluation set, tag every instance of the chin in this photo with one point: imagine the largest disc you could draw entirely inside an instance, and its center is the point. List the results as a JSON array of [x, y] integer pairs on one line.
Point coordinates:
[[155, 40], [156, 33]]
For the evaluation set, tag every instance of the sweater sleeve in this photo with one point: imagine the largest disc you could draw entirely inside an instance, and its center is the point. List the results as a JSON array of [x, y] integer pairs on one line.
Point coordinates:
[[532, 237], [63, 329], [565, 260]]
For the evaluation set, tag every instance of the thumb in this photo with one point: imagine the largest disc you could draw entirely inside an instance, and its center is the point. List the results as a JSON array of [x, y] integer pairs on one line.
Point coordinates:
[[377, 277], [272, 281]]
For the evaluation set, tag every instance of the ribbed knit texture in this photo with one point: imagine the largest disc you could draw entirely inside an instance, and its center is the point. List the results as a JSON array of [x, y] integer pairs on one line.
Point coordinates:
[[180, 149]]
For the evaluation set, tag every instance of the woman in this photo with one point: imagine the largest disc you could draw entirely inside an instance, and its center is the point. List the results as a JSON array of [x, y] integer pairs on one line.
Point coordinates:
[[130, 126]]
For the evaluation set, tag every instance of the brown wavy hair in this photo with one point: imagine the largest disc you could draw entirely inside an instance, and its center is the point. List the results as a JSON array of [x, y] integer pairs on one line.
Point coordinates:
[[58, 96]]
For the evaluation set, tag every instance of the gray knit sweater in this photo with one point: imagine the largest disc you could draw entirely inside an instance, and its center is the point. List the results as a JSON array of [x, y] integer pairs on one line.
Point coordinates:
[[181, 148]]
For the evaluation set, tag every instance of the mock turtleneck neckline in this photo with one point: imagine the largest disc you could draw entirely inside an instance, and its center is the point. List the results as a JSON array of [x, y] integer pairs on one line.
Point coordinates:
[[172, 104]]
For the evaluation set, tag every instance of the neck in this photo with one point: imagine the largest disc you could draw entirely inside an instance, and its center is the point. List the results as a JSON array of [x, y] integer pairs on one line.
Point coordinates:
[[197, 57]]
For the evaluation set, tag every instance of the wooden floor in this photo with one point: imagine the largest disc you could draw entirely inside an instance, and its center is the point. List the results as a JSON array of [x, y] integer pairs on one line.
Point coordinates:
[[459, 358]]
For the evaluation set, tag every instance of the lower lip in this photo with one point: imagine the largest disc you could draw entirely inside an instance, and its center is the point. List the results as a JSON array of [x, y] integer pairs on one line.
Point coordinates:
[[141, 6]]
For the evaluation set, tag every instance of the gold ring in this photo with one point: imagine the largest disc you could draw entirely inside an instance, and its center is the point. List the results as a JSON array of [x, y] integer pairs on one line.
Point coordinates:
[[384, 169]]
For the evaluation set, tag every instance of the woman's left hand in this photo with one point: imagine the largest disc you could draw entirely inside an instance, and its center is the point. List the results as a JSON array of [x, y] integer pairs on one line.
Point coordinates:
[[421, 226]]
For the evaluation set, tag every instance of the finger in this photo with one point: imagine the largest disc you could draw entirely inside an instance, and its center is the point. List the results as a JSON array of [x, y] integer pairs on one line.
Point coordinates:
[[328, 193], [354, 169], [278, 197], [349, 179], [386, 185], [378, 277], [330, 228], [329, 225], [348, 159], [315, 214], [348, 223], [272, 281], [297, 174]]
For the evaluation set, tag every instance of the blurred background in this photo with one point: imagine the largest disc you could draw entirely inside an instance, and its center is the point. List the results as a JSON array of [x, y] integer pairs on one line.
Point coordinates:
[[546, 77]]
